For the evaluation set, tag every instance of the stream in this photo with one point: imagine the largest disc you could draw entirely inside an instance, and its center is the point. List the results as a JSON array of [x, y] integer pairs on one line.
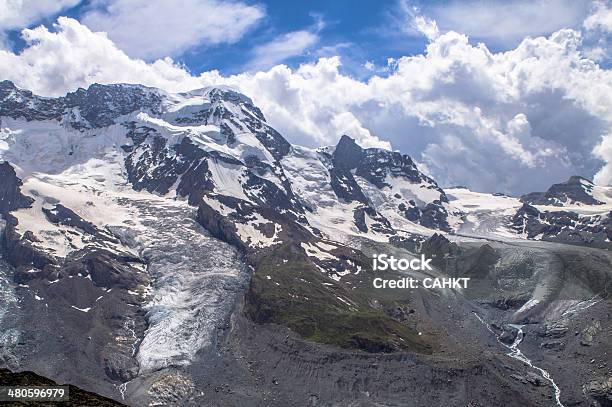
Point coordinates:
[[516, 353]]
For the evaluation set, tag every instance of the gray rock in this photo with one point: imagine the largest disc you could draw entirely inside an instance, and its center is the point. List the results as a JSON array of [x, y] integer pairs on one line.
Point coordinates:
[[588, 334]]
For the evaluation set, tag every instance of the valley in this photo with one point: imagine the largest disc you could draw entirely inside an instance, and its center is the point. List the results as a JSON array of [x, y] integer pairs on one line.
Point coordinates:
[[175, 249]]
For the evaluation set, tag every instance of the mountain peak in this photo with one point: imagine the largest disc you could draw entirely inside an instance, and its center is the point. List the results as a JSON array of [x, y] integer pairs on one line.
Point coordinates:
[[576, 190], [6, 84], [578, 179], [347, 153]]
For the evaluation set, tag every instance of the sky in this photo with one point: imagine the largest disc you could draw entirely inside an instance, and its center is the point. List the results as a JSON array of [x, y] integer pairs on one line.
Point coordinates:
[[502, 96]]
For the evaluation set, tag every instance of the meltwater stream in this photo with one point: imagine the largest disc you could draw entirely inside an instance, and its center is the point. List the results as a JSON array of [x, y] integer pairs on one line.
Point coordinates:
[[516, 353]]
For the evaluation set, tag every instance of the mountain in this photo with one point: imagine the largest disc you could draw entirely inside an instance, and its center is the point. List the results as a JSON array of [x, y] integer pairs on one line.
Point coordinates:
[[575, 191], [576, 211], [564, 226], [175, 249]]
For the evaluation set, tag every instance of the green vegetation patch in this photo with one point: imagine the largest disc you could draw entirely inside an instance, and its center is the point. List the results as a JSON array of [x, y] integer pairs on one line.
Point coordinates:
[[288, 289]]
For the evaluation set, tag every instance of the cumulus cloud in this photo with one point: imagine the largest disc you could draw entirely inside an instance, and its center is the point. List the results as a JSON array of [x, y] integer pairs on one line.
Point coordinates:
[[600, 18], [417, 22], [21, 13], [598, 29], [513, 121], [505, 21], [147, 29], [73, 56], [288, 45], [603, 150]]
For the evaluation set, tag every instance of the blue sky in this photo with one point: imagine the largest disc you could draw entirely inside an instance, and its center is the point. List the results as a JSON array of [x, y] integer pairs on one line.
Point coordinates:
[[358, 30], [364, 33]]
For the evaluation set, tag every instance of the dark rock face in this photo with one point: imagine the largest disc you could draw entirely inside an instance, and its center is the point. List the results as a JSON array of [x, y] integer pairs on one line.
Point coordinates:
[[600, 390], [439, 249], [98, 106], [575, 190], [78, 397], [345, 186], [20, 250], [380, 223], [435, 216], [563, 226], [153, 166], [375, 165], [11, 197], [218, 225], [17, 103], [106, 269], [347, 154], [65, 216]]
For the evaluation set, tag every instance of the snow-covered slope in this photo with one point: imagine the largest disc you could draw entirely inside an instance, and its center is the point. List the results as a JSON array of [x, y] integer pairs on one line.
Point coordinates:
[[575, 212], [139, 216], [213, 145], [482, 214], [84, 174], [350, 191]]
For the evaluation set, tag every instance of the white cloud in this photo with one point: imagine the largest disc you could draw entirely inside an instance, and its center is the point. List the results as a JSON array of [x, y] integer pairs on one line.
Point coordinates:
[[598, 30], [514, 121], [288, 45], [73, 56], [603, 150], [152, 29], [417, 23], [347, 123], [21, 13], [600, 17], [505, 22]]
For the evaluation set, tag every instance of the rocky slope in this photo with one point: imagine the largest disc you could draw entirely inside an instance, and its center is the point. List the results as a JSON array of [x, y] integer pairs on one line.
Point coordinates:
[[576, 211], [190, 255], [78, 397], [576, 190]]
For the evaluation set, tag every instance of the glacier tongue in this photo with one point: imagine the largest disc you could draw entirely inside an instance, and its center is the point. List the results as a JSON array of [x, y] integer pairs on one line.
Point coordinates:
[[196, 280]]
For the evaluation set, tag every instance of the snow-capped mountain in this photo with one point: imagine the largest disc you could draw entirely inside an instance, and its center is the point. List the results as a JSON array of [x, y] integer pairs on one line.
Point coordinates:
[[215, 143], [94, 183], [576, 191], [136, 221]]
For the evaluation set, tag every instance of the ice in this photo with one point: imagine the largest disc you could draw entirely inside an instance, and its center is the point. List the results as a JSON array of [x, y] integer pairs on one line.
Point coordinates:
[[250, 232], [81, 309], [469, 201], [314, 251], [195, 281]]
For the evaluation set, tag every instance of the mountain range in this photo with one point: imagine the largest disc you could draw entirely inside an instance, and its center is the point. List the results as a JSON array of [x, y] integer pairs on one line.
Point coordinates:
[[175, 249]]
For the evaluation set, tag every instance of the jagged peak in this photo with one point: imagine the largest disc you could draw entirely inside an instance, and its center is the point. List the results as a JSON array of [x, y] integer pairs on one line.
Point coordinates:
[[347, 153], [576, 189], [578, 179], [6, 84], [219, 92]]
